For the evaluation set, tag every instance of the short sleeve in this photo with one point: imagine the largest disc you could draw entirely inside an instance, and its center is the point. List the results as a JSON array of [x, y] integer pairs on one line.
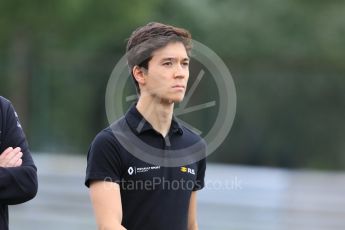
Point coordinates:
[[200, 178], [104, 161]]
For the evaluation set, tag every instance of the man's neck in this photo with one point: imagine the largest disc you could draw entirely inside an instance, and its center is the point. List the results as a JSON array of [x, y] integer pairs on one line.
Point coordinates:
[[157, 112]]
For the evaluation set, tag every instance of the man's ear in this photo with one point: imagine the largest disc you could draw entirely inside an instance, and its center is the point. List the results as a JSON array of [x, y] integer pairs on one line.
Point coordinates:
[[139, 74]]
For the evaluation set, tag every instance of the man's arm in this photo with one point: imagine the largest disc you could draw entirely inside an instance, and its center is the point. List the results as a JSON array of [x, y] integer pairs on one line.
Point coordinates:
[[106, 201], [192, 219], [18, 176]]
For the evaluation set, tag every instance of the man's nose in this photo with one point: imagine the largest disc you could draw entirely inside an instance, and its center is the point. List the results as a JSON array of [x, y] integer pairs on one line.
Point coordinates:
[[181, 71]]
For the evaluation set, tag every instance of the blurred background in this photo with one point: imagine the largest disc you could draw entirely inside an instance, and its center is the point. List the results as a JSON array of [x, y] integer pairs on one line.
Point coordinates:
[[287, 141]]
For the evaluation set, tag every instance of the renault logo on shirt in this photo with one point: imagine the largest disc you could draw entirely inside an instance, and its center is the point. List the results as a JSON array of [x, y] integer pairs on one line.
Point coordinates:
[[187, 170], [130, 170], [137, 170]]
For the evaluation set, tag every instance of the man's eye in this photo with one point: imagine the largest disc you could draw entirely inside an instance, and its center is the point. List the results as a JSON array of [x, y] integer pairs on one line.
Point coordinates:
[[185, 64], [167, 63]]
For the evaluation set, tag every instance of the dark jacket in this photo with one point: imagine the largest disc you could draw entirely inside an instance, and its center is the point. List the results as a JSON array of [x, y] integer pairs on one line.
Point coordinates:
[[17, 184]]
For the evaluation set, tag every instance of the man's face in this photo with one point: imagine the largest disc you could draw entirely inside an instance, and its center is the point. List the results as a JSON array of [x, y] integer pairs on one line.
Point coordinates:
[[168, 73]]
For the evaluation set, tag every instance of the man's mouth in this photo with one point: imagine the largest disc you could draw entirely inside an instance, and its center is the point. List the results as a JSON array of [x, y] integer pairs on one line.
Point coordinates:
[[178, 87]]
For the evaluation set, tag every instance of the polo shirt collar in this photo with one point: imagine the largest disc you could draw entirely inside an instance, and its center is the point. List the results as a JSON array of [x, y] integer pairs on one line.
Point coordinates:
[[139, 125]]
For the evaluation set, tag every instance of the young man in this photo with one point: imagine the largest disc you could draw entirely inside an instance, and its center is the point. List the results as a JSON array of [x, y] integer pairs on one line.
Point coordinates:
[[18, 177], [131, 193]]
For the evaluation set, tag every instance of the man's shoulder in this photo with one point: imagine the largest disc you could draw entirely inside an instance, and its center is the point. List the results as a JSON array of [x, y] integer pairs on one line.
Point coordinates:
[[4, 102], [5, 105], [108, 133], [191, 134]]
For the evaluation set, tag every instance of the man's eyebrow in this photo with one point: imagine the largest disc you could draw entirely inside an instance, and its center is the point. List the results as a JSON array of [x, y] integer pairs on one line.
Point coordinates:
[[173, 59]]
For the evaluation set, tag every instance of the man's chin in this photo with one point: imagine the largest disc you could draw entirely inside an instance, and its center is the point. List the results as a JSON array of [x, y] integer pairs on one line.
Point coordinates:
[[177, 100], [171, 100]]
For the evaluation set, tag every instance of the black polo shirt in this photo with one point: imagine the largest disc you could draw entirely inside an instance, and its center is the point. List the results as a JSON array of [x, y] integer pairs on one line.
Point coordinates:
[[154, 197]]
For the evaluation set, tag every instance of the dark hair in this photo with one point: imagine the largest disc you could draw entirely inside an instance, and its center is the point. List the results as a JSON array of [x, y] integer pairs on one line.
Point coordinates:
[[146, 39]]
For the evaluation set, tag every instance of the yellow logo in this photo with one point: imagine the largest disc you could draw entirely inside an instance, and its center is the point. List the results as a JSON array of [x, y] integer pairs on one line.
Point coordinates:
[[183, 169], [187, 170]]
